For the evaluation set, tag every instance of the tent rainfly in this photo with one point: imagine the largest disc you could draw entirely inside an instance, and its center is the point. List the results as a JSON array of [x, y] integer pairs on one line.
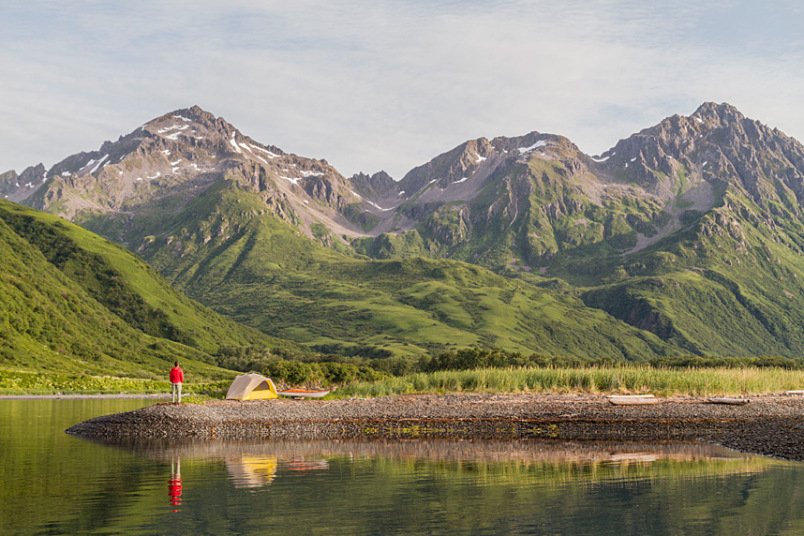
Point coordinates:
[[251, 387]]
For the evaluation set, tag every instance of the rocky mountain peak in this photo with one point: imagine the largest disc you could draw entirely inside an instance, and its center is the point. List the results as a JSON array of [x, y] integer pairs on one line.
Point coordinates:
[[716, 144], [194, 114], [8, 183], [198, 113], [17, 187], [377, 186], [456, 165], [177, 157], [196, 127], [718, 113]]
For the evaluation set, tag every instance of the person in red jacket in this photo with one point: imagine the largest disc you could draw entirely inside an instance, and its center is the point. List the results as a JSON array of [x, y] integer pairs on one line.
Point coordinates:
[[176, 380]]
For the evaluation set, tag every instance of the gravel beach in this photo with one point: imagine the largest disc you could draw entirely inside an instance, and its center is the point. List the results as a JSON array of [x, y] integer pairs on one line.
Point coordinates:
[[771, 424]]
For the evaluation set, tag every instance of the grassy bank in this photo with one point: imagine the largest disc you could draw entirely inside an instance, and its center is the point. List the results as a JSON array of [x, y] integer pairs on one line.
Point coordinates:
[[628, 379], [36, 383]]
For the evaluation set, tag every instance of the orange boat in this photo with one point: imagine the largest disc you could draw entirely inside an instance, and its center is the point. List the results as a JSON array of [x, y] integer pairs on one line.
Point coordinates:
[[303, 393]]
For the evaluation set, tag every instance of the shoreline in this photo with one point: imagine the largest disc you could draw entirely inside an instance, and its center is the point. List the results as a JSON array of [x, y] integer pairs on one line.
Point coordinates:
[[771, 425]]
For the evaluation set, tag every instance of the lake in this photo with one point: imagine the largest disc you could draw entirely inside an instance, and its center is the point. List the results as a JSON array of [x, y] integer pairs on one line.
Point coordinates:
[[56, 484]]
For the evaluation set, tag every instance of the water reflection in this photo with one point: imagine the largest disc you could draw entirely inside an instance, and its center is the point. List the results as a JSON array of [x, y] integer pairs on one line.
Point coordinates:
[[251, 471], [254, 465], [309, 454], [175, 484]]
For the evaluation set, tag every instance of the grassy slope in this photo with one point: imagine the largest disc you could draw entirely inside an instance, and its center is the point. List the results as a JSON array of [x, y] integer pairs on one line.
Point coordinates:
[[721, 288], [260, 271], [60, 319], [199, 325]]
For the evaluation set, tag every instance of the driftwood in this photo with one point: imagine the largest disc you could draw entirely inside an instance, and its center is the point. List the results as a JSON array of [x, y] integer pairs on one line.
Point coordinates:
[[728, 400]]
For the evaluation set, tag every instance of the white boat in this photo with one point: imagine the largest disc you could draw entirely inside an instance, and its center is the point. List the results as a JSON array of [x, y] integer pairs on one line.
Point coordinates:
[[728, 400], [795, 392], [633, 400]]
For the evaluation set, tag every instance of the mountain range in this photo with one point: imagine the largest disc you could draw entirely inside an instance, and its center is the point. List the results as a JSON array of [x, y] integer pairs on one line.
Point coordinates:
[[684, 238]]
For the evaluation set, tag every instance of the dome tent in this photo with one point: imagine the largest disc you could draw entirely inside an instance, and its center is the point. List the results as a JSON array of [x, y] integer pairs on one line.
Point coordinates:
[[251, 387]]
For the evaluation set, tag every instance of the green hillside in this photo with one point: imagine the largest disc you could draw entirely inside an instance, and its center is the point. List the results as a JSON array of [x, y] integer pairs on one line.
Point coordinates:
[[722, 288], [264, 273], [718, 287], [72, 302]]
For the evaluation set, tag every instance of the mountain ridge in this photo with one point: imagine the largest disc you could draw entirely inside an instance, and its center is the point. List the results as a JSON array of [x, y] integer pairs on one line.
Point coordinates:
[[698, 203]]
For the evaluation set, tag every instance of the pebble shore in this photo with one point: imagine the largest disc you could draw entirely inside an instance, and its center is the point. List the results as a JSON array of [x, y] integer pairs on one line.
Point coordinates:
[[771, 425]]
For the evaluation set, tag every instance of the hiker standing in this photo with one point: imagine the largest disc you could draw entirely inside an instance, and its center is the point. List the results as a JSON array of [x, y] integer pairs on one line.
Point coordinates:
[[176, 379]]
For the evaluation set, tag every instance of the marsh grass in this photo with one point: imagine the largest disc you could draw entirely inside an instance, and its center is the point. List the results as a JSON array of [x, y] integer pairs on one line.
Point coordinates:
[[621, 380], [604, 379]]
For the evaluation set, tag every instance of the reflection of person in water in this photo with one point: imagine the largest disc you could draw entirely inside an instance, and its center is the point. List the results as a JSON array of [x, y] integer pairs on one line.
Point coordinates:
[[174, 484]]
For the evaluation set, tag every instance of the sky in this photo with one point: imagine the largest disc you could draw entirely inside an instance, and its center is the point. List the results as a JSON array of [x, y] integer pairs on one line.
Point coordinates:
[[388, 84]]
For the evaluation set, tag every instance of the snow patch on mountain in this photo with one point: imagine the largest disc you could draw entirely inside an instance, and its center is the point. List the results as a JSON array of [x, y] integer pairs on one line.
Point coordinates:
[[270, 154], [235, 145], [100, 164], [540, 143], [293, 180]]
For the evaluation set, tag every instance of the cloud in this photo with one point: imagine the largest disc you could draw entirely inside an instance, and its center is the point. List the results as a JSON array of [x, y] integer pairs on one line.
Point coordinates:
[[371, 84]]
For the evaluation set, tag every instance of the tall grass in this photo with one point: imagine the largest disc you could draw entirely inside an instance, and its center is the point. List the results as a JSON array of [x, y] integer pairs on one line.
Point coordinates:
[[618, 379], [35, 383], [632, 379]]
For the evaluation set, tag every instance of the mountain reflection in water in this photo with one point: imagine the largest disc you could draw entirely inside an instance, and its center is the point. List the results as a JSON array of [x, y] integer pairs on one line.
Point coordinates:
[[257, 464]]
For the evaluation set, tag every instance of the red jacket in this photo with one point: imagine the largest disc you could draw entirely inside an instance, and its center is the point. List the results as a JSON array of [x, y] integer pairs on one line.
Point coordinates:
[[176, 375]]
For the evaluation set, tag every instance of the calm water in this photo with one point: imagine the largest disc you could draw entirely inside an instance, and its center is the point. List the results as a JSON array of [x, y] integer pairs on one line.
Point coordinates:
[[56, 484]]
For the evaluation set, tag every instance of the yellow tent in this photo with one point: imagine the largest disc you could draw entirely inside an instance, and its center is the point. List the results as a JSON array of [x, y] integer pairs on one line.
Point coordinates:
[[251, 387]]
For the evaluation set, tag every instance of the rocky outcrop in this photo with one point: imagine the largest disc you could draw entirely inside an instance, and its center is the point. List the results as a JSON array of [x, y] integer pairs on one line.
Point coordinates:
[[18, 187], [377, 186], [449, 167], [715, 144]]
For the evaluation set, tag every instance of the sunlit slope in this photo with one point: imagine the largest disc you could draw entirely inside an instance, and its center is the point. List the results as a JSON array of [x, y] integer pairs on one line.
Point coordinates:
[[230, 254], [71, 301], [727, 286]]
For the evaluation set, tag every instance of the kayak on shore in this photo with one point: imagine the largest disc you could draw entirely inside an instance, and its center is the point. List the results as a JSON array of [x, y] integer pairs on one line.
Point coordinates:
[[633, 400], [303, 393]]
